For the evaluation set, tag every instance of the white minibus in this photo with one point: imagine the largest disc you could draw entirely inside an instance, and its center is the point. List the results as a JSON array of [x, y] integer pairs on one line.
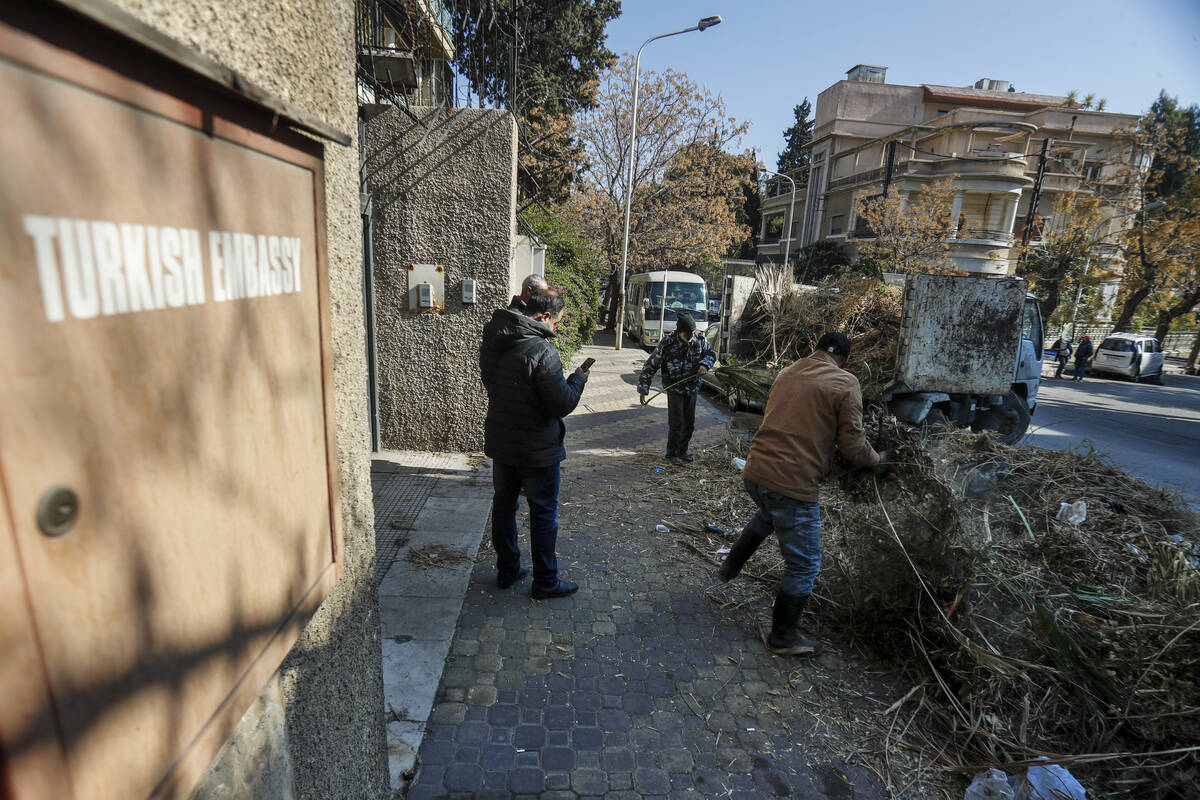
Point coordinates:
[[648, 318]]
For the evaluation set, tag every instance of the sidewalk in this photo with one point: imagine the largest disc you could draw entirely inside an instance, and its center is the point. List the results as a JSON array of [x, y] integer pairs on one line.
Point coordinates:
[[638, 686], [430, 513]]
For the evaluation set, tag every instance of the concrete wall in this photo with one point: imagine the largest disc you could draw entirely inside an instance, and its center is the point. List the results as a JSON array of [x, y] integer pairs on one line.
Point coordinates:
[[443, 191], [317, 729]]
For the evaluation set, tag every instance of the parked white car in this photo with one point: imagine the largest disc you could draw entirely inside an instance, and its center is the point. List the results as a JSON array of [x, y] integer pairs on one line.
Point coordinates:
[[1134, 355]]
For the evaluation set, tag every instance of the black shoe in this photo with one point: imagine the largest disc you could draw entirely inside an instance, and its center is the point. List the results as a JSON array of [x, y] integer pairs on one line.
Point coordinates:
[[741, 551], [687, 459], [504, 583], [678, 461], [785, 639], [560, 589]]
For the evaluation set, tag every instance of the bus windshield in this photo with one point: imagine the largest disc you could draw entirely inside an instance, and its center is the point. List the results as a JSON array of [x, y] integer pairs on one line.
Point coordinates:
[[685, 296]]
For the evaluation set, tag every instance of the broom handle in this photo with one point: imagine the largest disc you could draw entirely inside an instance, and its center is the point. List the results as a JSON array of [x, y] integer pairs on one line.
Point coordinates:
[[693, 377]]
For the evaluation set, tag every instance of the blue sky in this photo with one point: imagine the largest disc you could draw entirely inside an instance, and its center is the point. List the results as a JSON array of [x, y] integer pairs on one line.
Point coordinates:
[[769, 54]]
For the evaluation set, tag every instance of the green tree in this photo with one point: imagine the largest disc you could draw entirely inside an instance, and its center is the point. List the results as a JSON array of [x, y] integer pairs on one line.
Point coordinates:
[[560, 51], [795, 157], [1161, 277], [572, 270]]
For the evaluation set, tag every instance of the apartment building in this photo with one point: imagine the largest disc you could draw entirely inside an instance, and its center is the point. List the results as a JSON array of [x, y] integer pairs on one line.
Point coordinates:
[[870, 136]]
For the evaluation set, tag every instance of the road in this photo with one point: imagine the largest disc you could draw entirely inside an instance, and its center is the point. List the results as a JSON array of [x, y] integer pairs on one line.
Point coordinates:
[[1150, 431]]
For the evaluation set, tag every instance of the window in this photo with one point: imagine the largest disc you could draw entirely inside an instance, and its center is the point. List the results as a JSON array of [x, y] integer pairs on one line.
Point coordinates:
[[773, 227], [837, 224], [942, 111], [1118, 345], [1031, 324]]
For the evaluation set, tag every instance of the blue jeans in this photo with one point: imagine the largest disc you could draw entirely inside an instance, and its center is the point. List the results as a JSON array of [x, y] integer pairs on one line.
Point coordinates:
[[798, 526], [1080, 370], [540, 485]]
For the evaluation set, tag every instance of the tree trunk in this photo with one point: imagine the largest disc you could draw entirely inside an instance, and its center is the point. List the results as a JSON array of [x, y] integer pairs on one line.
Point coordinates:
[[1130, 308], [1053, 296], [610, 300], [1168, 315], [1191, 362]]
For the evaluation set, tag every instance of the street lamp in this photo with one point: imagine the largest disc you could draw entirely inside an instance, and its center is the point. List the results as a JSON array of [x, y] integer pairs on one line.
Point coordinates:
[[1087, 262], [787, 245], [705, 22]]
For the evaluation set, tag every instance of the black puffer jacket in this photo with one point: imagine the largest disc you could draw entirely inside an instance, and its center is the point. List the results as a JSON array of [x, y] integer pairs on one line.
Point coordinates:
[[527, 395]]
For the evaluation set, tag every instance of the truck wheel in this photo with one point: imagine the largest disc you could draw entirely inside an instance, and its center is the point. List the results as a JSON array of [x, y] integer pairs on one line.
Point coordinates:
[[1008, 421], [934, 424]]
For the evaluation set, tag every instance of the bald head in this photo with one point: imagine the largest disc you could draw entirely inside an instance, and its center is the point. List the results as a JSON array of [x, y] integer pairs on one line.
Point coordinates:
[[531, 284]]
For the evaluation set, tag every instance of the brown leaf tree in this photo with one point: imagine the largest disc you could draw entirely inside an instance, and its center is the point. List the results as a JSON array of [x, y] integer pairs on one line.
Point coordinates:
[[687, 187], [911, 231]]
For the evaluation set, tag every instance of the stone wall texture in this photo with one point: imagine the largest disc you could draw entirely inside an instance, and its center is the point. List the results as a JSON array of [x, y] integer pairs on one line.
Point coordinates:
[[323, 711], [443, 191]]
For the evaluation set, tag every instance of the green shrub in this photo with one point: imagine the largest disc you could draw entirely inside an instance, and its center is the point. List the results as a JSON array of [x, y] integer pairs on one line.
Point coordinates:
[[572, 272]]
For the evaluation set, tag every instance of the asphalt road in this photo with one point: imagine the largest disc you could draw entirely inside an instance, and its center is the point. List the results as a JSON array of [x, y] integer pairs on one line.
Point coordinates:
[[1150, 431]]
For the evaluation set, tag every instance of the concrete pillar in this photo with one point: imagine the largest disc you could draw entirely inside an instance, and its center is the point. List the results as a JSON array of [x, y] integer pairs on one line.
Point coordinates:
[[1010, 213], [956, 211]]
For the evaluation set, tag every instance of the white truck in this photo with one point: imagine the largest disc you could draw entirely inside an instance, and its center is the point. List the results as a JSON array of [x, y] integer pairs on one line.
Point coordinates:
[[970, 352]]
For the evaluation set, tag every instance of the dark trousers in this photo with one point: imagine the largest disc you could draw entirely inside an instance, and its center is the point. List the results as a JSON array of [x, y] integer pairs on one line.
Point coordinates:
[[1080, 370], [540, 486], [681, 421], [1062, 364]]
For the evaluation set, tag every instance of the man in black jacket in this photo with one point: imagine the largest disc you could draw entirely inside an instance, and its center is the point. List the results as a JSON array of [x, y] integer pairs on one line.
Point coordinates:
[[523, 435]]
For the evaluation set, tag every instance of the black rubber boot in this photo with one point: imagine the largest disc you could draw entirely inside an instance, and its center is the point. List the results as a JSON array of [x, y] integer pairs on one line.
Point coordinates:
[[737, 556], [785, 638]]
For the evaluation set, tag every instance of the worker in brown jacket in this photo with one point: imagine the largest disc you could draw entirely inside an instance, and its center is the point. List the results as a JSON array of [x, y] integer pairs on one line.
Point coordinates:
[[814, 405]]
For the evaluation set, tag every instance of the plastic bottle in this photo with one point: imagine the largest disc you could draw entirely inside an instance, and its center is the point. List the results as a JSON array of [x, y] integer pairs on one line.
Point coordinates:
[[739, 463]]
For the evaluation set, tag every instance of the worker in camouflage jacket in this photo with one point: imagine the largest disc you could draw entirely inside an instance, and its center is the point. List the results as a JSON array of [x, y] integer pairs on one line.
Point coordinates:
[[681, 355]]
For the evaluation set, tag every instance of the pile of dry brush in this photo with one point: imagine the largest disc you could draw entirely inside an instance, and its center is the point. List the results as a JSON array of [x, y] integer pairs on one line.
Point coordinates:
[[868, 311], [1023, 635]]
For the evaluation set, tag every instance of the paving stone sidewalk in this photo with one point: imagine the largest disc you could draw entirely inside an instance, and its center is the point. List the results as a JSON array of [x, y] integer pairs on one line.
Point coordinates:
[[638, 686]]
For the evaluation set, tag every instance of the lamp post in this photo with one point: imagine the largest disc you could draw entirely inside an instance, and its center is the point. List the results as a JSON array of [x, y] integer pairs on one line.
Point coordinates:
[[787, 243], [1087, 262], [706, 22]]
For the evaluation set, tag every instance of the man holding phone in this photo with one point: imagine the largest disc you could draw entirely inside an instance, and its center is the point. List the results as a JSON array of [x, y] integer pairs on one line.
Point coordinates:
[[523, 435], [683, 357]]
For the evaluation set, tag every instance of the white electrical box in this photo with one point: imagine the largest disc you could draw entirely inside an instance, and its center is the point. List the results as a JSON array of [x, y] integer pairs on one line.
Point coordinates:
[[424, 295], [468, 291], [426, 288]]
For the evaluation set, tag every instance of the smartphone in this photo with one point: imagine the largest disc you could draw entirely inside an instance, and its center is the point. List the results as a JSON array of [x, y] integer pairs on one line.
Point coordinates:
[[587, 364]]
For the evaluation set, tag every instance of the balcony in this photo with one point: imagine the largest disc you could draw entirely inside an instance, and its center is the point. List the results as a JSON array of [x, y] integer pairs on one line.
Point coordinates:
[[382, 54], [992, 237]]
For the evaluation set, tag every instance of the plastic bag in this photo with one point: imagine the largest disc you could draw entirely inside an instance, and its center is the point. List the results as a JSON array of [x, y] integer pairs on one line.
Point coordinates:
[[990, 785], [1073, 513], [738, 463], [662, 528], [1049, 782]]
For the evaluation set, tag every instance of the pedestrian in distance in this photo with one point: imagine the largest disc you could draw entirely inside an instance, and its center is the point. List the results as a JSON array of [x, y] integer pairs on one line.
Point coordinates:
[[1062, 352], [1083, 354], [813, 406], [683, 357], [523, 435], [531, 284]]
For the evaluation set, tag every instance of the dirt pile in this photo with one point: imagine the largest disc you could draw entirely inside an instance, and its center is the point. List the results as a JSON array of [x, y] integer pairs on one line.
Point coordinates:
[[1024, 634]]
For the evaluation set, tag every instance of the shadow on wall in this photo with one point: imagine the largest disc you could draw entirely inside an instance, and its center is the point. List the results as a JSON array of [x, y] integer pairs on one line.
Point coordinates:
[[443, 192]]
